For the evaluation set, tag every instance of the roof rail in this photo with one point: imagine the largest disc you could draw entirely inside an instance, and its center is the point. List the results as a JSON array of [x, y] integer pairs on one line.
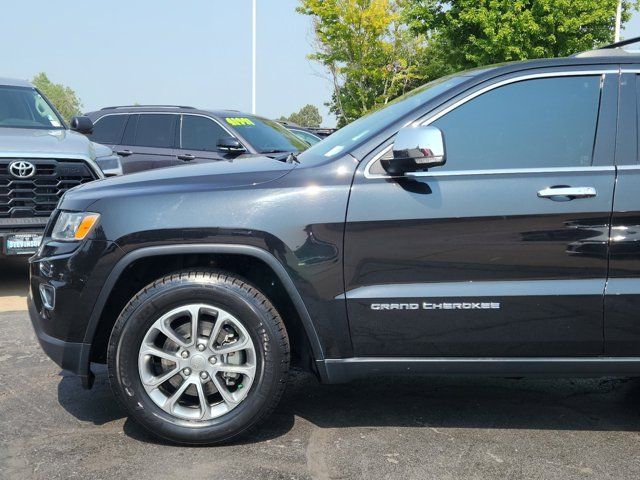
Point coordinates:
[[622, 43], [147, 106]]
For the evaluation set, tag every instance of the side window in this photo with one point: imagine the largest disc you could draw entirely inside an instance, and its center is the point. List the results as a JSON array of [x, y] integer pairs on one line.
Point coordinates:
[[201, 133], [130, 130], [539, 123], [155, 130], [109, 129]]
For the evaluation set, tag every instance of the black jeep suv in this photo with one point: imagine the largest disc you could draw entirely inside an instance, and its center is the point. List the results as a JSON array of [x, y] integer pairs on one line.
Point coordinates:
[[157, 136], [486, 223]]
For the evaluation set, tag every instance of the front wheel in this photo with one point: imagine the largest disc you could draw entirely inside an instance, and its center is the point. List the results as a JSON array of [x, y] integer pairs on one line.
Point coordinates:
[[198, 357]]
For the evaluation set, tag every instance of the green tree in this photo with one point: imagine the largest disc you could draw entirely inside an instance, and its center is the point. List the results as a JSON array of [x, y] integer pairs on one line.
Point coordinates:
[[307, 116], [472, 33], [63, 98], [370, 54]]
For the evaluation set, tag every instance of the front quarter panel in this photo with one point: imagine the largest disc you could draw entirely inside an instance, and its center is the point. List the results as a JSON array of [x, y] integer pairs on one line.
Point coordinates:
[[297, 218]]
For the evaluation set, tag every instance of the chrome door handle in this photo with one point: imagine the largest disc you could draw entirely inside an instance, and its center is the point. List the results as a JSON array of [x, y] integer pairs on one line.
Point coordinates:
[[570, 192]]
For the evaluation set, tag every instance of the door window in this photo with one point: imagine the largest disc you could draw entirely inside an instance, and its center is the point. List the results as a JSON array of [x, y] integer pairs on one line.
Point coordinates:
[[108, 130], [155, 130], [540, 123], [201, 133]]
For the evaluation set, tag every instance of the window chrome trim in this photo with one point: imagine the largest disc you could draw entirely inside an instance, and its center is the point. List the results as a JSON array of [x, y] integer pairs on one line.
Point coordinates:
[[471, 96], [503, 171]]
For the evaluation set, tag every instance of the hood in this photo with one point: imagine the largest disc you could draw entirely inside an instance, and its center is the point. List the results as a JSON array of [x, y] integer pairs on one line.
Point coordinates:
[[243, 172], [101, 150], [27, 142]]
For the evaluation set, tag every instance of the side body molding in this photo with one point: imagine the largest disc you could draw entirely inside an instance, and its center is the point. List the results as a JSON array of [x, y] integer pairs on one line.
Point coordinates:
[[248, 250]]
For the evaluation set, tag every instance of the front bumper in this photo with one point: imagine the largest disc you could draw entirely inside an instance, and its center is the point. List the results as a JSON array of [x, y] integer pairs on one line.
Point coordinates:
[[76, 278], [69, 356]]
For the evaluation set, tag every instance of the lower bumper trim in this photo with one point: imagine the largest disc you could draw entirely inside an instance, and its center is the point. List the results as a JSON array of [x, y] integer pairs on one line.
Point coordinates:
[[67, 355]]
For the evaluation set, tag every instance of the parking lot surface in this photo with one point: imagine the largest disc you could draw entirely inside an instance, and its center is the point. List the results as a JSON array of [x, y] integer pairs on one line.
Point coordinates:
[[408, 428], [13, 284]]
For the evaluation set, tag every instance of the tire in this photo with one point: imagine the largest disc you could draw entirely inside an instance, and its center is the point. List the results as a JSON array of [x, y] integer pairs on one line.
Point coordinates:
[[226, 396]]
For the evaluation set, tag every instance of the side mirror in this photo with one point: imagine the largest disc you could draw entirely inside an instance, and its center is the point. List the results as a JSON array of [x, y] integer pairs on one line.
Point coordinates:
[[416, 149], [231, 145], [82, 125]]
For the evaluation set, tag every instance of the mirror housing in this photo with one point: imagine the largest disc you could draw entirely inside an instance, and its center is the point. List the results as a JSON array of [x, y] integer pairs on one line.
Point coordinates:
[[415, 149], [230, 145], [82, 125]]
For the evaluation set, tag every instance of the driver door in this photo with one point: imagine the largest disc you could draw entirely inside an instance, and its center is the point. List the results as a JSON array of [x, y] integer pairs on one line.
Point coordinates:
[[469, 259]]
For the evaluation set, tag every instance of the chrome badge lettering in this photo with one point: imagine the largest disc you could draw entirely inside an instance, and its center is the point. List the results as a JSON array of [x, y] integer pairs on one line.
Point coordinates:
[[437, 306], [395, 306], [461, 306]]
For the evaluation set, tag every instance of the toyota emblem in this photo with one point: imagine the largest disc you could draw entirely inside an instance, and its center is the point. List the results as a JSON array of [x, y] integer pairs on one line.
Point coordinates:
[[22, 169]]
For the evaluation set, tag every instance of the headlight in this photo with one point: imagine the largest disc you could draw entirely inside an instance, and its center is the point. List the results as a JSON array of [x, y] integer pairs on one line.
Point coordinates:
[[74, 226], [110, 165]]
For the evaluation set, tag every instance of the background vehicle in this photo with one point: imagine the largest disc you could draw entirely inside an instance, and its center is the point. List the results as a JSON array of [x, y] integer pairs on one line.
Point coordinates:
[[304, 133], [148, 137], [380, 250], [40, 159]]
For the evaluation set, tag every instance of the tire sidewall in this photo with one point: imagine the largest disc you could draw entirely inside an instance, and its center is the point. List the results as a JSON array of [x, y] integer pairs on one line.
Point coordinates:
[[135, 323]]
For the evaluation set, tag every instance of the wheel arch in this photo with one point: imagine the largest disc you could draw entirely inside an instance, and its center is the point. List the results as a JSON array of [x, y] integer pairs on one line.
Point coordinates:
[[256, 253]]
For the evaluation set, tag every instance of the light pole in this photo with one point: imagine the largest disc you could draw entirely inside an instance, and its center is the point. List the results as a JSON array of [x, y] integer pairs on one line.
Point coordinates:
[[253, 60], [616, 35]]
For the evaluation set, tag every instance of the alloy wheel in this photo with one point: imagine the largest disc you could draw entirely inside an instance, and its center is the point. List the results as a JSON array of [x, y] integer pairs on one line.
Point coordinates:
[[197, 362]]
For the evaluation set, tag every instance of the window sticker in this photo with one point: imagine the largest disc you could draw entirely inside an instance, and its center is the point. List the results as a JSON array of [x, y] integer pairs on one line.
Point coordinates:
[[239, 121]]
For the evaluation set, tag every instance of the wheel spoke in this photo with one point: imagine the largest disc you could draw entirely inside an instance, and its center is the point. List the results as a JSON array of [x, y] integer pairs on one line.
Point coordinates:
[[155, 382], [247, 370], [194, 313], [171, 334], [221, 319], [236, 346], [175, 396], [204, 404], [227, 396], [158, 352]]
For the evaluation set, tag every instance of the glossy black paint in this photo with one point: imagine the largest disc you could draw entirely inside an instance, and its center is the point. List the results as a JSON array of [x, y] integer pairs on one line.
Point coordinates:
[[333, 232], [622, 322]]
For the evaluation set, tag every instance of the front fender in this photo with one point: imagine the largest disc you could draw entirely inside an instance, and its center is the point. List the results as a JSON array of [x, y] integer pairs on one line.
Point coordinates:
[[233, 249]]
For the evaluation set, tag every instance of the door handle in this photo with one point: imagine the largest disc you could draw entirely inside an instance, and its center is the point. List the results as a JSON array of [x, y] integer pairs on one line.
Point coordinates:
[[124, 153], [569, 193], [187, 157]]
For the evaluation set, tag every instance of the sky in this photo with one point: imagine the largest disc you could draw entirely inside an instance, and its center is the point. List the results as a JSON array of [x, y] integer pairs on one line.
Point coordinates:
[[189, 52]]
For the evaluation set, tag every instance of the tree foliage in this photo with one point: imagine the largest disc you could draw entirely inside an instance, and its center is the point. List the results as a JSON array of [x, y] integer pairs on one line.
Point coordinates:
[[375, 50], [472, 33], [63, 98], [307, 116], [369, 53]]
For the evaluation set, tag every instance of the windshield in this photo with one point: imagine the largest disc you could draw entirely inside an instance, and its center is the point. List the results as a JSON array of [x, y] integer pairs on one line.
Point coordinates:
[[266, 136], [23, 107], [310, 138], [356, 132]]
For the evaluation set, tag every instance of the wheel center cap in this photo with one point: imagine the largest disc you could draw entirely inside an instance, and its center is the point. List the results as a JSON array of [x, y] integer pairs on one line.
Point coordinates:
[[198, 362]]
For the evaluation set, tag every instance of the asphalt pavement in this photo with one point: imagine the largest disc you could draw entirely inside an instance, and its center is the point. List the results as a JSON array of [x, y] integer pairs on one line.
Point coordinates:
[[383, 428]]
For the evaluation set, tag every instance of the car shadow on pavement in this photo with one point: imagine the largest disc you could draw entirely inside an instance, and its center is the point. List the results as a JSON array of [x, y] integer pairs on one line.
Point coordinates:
[[427, 402], [100, 407]]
